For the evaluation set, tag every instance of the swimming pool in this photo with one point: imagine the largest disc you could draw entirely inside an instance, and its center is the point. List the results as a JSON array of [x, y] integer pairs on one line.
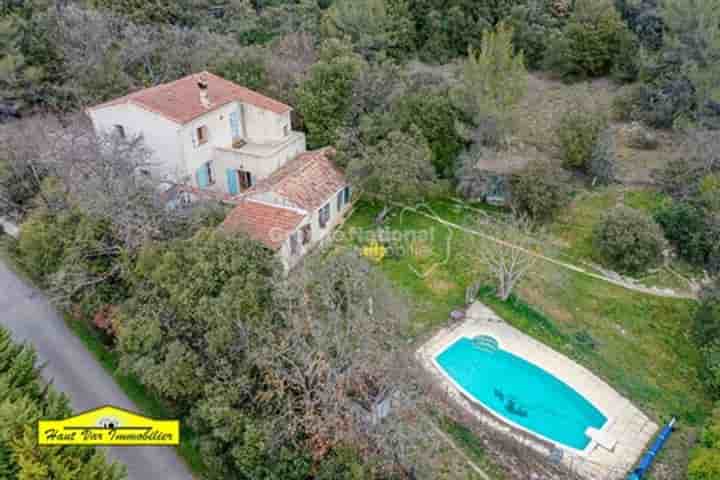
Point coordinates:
[[520, 392]]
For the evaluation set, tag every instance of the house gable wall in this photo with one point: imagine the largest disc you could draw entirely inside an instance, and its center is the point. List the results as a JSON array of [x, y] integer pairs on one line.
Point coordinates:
[[161, 135]]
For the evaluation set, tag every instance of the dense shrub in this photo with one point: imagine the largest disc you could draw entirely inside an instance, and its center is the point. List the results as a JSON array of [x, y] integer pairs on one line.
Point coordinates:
[[533, 23], [324, 99], [593, 43], [578, 132], [628, 240], [626, 105], [644, 19], [436, 118], [43, 242], [705, 460], [538, 191], [602, 166], [685, 227], [666, 100], [706, 323]]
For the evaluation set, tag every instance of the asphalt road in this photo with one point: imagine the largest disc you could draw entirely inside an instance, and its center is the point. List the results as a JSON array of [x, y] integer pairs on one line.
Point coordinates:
[[73, 370]]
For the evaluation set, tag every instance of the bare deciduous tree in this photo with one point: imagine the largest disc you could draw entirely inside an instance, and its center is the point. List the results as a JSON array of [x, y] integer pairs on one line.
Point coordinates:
[[25, 163], [350, 377], [290, 60], [508, 259]]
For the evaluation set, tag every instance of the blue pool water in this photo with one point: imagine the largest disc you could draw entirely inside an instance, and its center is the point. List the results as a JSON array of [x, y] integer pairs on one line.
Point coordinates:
[[520, 391]]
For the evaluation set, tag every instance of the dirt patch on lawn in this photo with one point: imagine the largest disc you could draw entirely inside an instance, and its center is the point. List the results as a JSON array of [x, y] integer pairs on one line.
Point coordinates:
[[440, 286], [538, 114]]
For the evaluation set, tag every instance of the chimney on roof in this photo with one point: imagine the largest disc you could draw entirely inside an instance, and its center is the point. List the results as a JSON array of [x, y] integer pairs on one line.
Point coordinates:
[[203, 87]]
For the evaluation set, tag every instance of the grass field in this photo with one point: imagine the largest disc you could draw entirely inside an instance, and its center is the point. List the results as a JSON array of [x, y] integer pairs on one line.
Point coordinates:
[[638, 343], [572, 231]]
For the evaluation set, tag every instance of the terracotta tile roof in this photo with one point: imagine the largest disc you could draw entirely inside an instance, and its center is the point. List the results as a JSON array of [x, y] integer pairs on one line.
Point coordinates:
[[180, 100], [268, 224], [307, 181]]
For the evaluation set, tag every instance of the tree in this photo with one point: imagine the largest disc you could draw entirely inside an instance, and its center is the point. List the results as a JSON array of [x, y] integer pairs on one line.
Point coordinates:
[[538, 191], [288, 64], [373, 26], [24, 164], [592, 42], [508, 261], [249, 70], [25, 399], [437, 119], [397, 169], [602, 166], [694, 27], [29, 61], [680, 80], [629, 240], [324, 99], [533, 24], [340, 355], [578, 133], [494, 78], [188, 297], [685, 227]]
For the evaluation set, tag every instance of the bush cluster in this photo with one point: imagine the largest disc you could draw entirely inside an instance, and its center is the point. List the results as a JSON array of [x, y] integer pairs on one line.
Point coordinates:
[[594, 42], [705, 460], [538, 191], [628, 240], [578, 133]]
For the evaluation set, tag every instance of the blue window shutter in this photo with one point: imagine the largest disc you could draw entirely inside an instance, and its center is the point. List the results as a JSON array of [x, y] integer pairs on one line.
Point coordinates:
[[194, 138], [232, 180], [235, 124], [202, 176]]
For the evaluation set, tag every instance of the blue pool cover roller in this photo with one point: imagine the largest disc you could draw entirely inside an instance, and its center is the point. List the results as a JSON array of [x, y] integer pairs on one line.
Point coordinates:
[[649, 457]]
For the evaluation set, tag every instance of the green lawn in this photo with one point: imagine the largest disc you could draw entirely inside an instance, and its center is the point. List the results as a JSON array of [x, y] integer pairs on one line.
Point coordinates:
[[638, 343], [572, 231]]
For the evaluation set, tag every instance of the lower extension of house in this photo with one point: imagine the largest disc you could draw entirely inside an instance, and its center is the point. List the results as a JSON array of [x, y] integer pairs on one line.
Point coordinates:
[[211, 138], [295, 208]]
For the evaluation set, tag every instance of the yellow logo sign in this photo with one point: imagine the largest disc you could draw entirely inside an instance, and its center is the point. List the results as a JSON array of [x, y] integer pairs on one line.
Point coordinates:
[[374, 251], [109, 426]]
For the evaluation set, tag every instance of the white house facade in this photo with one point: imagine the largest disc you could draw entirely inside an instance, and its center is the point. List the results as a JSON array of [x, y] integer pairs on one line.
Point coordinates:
[[205, 131], [215, 139]]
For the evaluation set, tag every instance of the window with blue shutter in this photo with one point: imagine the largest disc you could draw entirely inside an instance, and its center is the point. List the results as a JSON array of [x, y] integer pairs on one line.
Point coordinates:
[[232, 181], [235, 124], [202, 176]]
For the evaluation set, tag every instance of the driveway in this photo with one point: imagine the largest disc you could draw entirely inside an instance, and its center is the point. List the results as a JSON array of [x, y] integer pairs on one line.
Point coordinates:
[[73, 370]]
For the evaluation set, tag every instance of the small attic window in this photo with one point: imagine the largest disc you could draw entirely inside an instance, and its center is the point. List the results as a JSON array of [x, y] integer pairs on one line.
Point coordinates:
[[119, 130]]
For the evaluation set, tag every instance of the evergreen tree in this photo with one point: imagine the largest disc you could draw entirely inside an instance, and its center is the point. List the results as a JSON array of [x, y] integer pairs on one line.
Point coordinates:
[[494, 78], [23, 401]]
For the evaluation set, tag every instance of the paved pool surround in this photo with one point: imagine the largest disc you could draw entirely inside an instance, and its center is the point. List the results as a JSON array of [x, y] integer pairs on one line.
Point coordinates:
[[629, 429]]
